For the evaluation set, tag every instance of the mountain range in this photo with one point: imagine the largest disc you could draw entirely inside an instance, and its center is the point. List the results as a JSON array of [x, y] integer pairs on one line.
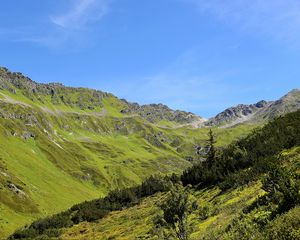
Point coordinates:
[[62, 145]]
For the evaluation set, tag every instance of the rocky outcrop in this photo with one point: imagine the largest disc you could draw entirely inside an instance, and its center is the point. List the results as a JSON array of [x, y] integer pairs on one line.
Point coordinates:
[[12, 187], [239, 113], [288, 103], [259, 112], [158, 112], [59, 94]]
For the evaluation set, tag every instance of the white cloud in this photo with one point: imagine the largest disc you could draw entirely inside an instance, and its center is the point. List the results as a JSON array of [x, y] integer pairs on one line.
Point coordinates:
[[278, 19], [70, 28], [81, 13]]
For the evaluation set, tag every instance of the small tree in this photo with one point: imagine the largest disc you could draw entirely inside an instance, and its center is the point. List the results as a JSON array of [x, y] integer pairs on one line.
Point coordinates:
[[175, 210], [282, 187], [211, 154]]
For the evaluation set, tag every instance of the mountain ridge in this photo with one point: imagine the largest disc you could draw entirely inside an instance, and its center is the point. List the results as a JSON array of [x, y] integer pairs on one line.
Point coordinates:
[[256, 113], [93, 101], [53, 137], [90, 99]]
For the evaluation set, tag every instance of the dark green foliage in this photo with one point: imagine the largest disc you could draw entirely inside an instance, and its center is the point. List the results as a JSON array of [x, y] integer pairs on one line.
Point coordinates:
[[285, 227], [204, 212], [282, 187], [94, 210], [175, 211], [255, 151], [211, 155]]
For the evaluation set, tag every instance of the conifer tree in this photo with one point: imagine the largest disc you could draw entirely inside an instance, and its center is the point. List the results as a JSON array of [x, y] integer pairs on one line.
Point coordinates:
[[211, 154]]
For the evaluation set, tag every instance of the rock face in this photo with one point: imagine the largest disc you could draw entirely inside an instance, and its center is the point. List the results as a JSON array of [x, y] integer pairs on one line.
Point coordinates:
[[239, 113], [158, 112], [259, 112], [288, 103]]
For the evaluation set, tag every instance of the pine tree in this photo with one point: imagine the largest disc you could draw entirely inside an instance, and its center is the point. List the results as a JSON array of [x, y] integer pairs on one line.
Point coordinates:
[[175, 210], [211, 154]]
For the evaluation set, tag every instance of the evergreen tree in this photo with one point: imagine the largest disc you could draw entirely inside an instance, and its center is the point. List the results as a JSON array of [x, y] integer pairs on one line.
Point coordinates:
[[175, 210], [211, 154]]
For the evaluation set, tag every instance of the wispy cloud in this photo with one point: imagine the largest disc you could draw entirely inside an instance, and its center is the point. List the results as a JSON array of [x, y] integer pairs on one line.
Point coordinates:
[[73, 27], [278, 19], [81, 13], [183, 84]]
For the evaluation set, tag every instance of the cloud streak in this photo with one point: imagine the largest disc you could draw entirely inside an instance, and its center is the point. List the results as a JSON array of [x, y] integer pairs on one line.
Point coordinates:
[[182, 84], [71, 27], [82, 13], [278, 19]]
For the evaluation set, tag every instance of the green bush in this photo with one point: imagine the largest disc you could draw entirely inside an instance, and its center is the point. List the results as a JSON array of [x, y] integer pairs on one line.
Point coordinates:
[[285, 227]]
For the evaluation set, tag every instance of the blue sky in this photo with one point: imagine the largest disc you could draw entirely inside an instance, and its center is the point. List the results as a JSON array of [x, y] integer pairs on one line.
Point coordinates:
[[196, 55]]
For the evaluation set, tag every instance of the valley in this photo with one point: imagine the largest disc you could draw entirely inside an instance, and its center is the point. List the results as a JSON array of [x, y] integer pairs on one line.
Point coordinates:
[[61, 146]]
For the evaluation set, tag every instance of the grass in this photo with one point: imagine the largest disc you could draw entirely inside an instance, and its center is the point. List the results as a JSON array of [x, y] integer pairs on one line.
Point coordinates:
[[225, 218], [138, 222], [80, 154], [135, 222]]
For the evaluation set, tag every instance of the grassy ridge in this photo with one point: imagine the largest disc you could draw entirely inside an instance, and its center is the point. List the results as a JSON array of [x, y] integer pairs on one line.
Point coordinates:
[[264, 195], [60, 146], [59, 155]]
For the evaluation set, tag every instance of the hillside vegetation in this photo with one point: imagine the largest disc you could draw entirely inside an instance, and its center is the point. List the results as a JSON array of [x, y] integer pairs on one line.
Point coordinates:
[[60, 146], [249, 190]]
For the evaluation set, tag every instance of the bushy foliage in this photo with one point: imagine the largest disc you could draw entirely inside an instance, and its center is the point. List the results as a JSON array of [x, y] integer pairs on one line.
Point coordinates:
[[255, 151], [94, 210], [285, 227], [282, 187], [175, 211]]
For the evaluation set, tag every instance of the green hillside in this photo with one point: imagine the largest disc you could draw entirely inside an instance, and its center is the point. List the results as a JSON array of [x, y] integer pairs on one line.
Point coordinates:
[[250, 190], [60, 146]]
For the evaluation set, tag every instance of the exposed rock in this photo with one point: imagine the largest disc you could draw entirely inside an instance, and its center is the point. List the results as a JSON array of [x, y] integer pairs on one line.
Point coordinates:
[[254, 113], [157, 112], [87, 177], [16, 190], [60, 94], [189, 159], [28, 135], [239, 112]]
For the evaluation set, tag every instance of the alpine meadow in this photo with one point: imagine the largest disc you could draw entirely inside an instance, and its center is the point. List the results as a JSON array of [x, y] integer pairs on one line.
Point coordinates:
[[92, 146]]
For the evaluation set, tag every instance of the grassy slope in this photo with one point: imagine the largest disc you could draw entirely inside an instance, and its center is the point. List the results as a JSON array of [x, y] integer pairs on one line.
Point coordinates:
[[137, 222], [225, 218], [77, 155]]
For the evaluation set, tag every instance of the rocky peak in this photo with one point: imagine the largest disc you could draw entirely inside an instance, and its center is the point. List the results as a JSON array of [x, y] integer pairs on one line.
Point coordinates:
[[237, 114], [60, 94], [157, 112], [260, 111]]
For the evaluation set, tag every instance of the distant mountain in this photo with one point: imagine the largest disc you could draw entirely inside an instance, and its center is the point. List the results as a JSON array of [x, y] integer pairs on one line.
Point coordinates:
[[90, 99], [288, 103], [237, 114], [258, 112], [63, 145], [159, 112]]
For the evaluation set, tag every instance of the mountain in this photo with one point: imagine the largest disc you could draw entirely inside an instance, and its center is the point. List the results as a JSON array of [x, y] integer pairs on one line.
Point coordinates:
[[89, 99], [158, 112], [257, 113], [62, 145], [250, 191], [238, 114]]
